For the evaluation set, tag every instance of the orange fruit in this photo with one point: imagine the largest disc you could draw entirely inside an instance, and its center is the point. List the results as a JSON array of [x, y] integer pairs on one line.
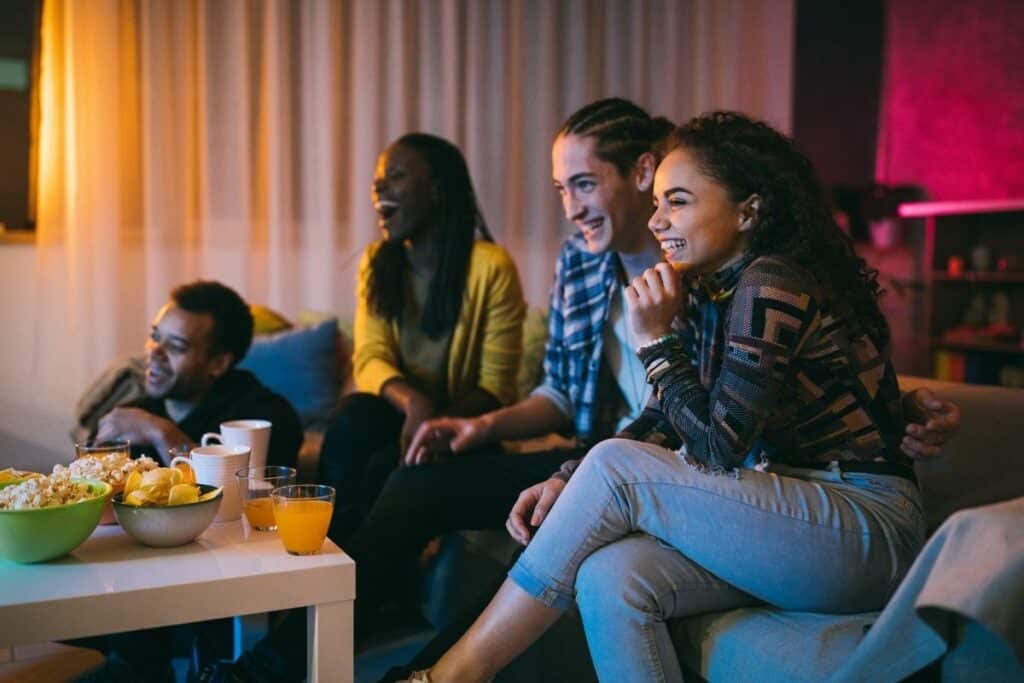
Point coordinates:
[[188, 476]]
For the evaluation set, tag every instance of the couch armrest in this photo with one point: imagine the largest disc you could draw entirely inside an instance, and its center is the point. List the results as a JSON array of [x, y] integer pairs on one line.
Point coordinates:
[[984, 462]]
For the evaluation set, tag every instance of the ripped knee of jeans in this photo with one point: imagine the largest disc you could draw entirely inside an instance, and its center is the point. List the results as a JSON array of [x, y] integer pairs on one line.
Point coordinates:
[[713, 470]]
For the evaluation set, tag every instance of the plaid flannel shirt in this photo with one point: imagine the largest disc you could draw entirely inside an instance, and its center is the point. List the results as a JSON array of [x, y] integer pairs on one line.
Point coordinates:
[[578, 310]]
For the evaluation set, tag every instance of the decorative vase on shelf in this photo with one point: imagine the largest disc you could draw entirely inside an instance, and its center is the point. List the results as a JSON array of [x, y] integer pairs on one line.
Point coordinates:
[[886, 233]]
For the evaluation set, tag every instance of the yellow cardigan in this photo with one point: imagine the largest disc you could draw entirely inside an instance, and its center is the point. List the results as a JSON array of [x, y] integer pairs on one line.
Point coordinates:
[[487, 340]]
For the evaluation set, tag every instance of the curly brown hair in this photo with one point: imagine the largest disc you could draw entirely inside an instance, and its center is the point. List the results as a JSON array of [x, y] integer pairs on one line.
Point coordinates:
[[794, 218]]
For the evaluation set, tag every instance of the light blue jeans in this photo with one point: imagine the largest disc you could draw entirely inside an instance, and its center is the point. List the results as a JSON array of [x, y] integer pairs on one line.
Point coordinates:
[[640, 536]]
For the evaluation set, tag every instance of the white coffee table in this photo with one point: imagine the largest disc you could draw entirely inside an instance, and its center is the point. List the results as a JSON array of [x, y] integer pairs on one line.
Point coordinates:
[[111, 583]]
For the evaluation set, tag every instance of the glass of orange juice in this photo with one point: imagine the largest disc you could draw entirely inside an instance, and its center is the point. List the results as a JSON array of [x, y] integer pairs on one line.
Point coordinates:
[[254, 486], [303, 513]]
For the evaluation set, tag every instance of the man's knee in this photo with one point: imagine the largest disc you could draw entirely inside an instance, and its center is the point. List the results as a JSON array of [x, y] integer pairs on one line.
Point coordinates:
[[412, 487]]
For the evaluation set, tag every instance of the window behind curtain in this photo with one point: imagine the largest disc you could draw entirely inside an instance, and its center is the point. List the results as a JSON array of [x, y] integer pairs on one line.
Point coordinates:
[[19, 43]]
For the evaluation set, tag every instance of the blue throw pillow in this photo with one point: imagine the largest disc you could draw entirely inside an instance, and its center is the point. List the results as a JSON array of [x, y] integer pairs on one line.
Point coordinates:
[[301, 365]]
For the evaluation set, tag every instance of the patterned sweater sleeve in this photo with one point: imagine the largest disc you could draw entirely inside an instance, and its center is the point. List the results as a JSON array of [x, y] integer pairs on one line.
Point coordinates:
[[771, 315]]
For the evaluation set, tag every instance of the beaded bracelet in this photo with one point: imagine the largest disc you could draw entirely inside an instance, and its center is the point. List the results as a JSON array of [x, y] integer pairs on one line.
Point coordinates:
[[657, 368], [663, 340]]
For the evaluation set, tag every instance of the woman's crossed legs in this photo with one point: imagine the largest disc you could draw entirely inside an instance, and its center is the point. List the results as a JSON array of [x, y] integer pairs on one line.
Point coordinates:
[[817, 541]]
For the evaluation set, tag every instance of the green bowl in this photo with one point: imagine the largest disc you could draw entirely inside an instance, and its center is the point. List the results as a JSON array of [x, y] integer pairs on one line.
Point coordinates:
[[42, 534]]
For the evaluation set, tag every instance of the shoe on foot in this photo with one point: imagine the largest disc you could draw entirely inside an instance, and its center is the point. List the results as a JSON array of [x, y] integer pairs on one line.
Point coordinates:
[[418, 677]]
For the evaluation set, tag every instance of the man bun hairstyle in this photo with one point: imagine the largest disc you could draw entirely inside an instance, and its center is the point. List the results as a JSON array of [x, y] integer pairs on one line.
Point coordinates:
[[622, 131], [232, 319]]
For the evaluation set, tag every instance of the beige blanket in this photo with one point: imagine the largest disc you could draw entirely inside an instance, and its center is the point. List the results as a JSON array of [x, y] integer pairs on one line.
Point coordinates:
[[962, 601]]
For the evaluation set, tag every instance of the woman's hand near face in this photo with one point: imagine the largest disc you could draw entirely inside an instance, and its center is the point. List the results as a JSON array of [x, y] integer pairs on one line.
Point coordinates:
[[653, 300]]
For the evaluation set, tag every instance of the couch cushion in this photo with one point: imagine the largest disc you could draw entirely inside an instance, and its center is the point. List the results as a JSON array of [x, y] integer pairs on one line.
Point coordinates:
[[266, 320], [764, 645], [984, 462], [301, 365]]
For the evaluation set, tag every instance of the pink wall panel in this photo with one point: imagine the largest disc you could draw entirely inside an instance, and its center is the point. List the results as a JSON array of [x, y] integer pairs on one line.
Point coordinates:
[[952, 115]]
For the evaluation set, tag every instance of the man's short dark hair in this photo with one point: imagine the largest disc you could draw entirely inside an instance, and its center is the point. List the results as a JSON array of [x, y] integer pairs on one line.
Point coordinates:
[[232, 319]]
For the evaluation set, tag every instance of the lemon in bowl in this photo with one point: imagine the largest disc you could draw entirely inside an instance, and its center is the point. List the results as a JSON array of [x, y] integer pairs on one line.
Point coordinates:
[[42, 519]]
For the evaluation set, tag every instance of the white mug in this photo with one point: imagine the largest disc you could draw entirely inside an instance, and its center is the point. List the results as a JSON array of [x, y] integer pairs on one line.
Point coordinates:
[[216, 465], [252, 433]]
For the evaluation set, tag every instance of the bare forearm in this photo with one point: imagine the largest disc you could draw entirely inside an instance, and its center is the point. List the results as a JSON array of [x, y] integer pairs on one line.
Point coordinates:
[[402, 396], [476, 402], [533, 416], [168, 435]]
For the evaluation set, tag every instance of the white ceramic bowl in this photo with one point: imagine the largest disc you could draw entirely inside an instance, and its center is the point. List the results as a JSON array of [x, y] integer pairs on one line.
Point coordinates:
[[165, 526]]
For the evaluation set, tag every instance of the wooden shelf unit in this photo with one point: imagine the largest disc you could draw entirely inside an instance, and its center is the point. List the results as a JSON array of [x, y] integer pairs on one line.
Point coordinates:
[[955, 229]]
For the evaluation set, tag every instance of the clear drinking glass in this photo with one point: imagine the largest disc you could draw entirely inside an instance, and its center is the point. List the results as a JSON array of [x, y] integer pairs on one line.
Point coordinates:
[[95, 448], [303, 513], [254, 486]]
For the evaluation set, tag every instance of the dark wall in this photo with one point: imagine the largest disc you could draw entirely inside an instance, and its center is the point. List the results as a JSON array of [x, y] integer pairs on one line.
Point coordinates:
[[954, 94], [837, 81]]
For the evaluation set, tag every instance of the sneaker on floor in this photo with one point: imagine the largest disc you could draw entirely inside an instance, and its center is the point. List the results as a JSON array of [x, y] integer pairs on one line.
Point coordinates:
[[255, 666]]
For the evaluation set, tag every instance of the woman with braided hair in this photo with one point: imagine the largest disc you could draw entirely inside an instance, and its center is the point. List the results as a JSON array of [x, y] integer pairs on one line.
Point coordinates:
[[785, 483]]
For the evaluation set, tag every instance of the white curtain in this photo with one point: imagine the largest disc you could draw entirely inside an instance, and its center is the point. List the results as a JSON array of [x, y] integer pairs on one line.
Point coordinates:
[[236, 139]]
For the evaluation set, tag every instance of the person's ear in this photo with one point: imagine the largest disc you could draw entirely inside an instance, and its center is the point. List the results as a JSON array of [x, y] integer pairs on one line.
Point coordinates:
[[221, 363], [645, 167], [750, 212]]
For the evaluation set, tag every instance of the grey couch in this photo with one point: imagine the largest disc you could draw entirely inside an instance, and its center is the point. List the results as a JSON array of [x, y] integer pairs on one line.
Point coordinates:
[[982, 464]]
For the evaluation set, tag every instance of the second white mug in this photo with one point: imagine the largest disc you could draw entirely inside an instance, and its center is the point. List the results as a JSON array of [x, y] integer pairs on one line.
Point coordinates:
[[252, 433]]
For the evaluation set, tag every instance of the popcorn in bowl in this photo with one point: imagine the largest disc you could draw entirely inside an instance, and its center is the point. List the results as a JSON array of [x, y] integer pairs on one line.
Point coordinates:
[[10, 475], [113, 468], [43, 492]]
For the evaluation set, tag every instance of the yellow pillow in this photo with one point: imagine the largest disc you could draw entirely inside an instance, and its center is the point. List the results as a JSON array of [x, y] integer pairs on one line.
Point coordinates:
[[267, 321]]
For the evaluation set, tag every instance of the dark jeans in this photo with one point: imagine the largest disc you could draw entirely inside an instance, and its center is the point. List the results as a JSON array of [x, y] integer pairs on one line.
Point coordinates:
[[360, 450], [471, 491]]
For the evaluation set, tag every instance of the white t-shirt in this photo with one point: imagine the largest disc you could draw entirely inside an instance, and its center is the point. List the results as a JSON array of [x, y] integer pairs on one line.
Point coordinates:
[[620, 350]]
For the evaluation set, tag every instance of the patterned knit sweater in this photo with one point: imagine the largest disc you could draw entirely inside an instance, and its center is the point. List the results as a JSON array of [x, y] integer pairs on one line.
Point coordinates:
[[763, 367]]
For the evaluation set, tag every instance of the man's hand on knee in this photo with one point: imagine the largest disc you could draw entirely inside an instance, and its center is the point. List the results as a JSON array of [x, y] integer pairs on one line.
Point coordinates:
[[531, 509]]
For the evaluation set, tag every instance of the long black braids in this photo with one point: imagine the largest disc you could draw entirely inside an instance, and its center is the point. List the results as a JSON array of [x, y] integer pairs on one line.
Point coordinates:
[[456, 221]]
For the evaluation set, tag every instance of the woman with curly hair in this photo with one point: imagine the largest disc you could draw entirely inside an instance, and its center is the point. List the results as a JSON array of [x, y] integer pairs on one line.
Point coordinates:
[[778, 476]]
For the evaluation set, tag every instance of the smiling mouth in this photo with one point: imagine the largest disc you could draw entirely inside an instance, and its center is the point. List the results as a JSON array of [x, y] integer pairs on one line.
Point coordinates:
[[669, 247], [590, 227], [155, 375], [385, 208]]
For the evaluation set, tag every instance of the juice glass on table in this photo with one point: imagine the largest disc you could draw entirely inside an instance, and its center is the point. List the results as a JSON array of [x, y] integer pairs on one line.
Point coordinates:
[[254, 486], [95, 448], [303, 513]]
